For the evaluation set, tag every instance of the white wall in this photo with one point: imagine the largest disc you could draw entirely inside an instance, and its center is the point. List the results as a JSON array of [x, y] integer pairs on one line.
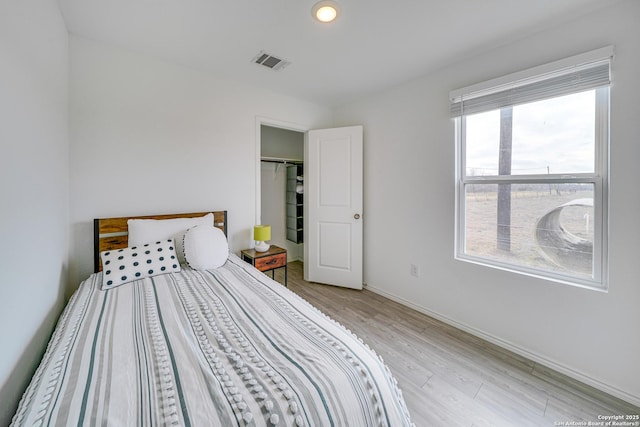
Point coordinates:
[[34, 187], [409, 200], [152, 137]]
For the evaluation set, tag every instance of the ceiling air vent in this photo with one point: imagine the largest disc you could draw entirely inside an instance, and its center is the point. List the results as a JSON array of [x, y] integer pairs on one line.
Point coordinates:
[[270, 61]]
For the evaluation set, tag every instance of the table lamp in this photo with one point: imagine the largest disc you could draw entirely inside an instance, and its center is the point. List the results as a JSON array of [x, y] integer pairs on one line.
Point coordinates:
[[262, 233]]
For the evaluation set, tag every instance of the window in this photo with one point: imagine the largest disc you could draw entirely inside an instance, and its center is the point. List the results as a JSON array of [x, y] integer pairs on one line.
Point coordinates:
[[532, 176]]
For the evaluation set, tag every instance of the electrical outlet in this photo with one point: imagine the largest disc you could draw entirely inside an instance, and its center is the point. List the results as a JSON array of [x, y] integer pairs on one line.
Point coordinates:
[[415, 270]]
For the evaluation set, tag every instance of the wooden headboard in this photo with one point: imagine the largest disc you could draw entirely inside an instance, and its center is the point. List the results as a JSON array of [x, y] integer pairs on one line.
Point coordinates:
[[112, 233]]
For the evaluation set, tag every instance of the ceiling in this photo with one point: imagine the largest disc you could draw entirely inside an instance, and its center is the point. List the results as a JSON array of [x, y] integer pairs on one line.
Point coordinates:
[[371, 46]]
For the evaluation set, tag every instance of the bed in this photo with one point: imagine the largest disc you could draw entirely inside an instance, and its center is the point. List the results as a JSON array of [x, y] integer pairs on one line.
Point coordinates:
[[224, 346]]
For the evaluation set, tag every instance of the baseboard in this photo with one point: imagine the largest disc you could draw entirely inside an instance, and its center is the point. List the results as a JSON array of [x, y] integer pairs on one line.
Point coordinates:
[[576, 375]]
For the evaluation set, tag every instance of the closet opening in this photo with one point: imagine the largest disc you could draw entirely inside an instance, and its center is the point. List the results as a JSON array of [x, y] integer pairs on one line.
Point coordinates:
[[282, 187]]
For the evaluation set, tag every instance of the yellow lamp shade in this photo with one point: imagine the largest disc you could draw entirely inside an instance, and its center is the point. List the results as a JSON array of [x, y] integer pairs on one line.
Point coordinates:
[[262, 233]]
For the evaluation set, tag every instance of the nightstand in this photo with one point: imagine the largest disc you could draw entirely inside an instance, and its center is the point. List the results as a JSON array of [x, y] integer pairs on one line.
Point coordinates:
[[275, 257]]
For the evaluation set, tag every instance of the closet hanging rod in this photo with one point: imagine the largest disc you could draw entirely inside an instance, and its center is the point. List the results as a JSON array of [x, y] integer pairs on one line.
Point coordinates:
[[279, 160]]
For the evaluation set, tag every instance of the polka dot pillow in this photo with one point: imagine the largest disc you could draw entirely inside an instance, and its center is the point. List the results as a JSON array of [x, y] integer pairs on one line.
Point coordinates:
[[122, 266]]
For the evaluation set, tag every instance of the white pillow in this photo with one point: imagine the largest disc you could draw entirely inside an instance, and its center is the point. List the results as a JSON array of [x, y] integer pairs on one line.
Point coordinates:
[[205, 247], [122, 266], [143, 231]]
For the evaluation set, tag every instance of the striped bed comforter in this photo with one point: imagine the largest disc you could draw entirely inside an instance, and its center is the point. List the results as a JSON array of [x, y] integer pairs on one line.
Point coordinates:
[[225, 347]]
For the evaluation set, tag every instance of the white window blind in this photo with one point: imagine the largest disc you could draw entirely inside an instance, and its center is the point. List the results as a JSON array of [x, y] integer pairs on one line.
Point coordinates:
[[562, 80]]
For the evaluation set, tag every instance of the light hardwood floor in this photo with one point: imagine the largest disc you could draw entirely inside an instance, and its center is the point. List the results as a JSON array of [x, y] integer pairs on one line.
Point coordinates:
[[452, 378]]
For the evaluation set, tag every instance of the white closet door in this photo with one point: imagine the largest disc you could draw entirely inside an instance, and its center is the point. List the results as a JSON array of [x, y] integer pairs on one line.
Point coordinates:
[[333, 206]]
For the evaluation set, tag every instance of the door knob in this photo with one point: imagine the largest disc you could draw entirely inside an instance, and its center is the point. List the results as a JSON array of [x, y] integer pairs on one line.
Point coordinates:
[[357, 216]]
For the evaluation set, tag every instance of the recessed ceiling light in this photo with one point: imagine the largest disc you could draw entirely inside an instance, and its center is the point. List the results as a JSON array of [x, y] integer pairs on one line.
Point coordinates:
[[325, 11]]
